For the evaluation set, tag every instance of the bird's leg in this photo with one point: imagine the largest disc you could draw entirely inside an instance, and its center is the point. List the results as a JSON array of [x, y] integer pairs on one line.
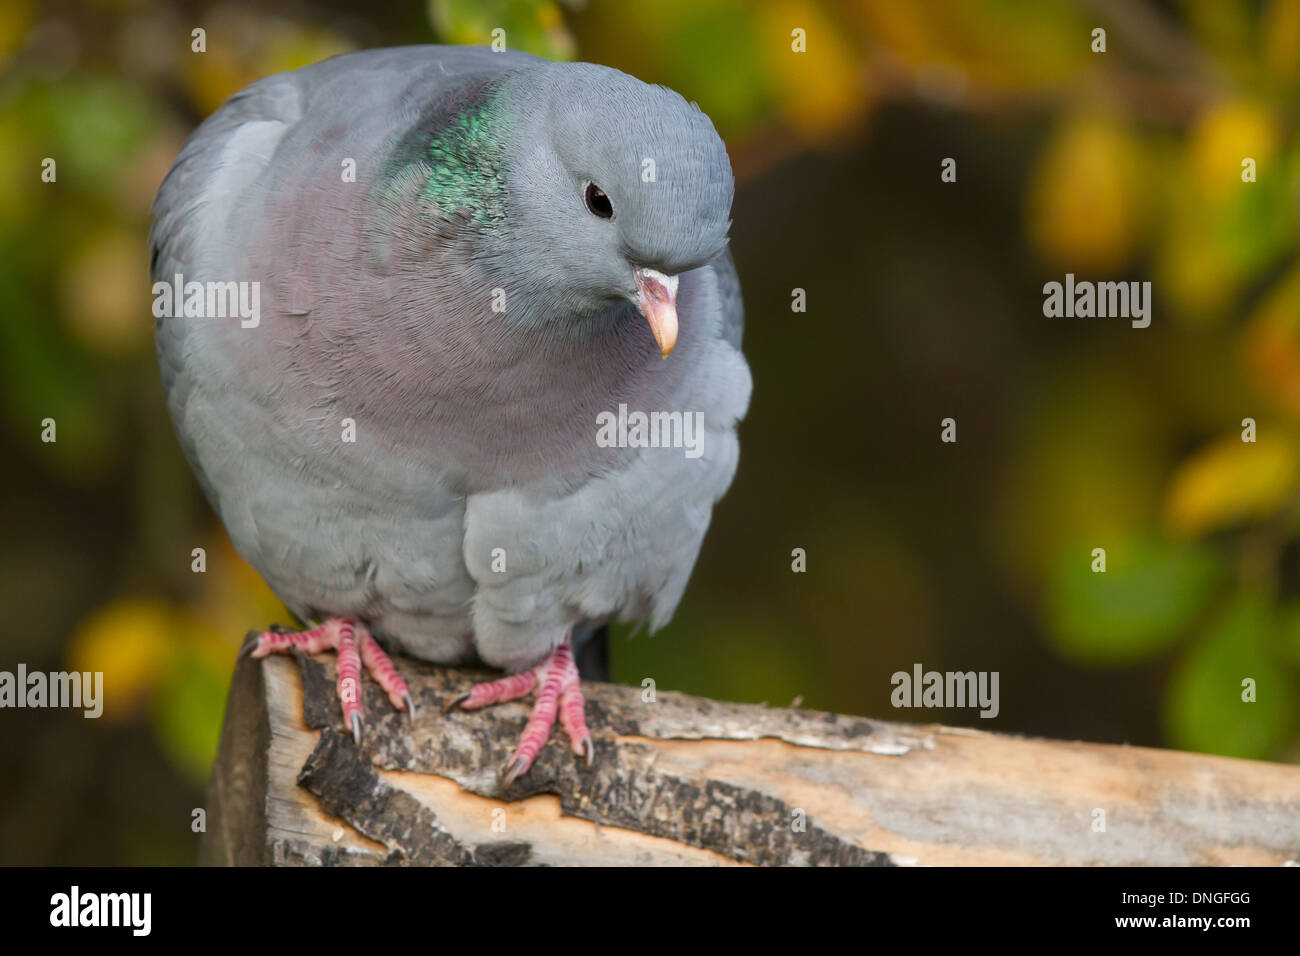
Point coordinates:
[[356, 648], [559, 693]]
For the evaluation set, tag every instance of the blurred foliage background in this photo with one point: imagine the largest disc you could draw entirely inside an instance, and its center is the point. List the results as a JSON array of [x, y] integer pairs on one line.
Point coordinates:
[[924, 302]]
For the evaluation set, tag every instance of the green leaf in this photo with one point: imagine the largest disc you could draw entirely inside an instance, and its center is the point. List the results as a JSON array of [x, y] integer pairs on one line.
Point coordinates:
[[1257, 226], [531, 26], [94, 125], [1204, 710], [1137, 607], [188, 710]]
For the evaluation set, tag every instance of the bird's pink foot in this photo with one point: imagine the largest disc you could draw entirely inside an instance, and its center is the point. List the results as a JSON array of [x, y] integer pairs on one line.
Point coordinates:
[[356, 648], [559, 693]]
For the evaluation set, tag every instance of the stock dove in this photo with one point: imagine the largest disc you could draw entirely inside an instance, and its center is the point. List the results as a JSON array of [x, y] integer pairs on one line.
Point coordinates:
[[481, 388]]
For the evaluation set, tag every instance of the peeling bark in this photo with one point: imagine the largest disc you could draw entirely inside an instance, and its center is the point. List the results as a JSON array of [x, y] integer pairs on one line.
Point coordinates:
[[683, 780]]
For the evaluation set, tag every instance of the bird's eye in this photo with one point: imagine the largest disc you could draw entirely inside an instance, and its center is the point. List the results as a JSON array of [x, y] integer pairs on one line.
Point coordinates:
[[598, 203]]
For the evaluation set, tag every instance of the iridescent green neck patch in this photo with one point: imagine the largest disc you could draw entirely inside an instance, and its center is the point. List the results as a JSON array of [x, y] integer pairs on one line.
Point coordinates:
[[448, 164], [464, 160]]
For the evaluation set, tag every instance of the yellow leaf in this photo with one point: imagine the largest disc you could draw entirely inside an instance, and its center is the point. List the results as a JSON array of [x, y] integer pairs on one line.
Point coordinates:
[[1087, 197], [1271, 345], [213, 77], [1222, 137], [291, 47], [131, 641], [1232, 481], [234, 599], [823, 89]]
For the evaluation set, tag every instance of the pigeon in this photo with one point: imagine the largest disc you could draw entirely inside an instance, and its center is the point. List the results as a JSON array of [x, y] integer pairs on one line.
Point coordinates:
[[451, 339]]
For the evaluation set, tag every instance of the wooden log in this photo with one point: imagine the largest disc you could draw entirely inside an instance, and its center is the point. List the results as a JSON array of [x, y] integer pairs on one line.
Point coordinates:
[[682, 780]]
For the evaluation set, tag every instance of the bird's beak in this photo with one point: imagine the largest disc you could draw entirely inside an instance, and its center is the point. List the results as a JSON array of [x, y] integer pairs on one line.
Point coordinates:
[[657, 299]]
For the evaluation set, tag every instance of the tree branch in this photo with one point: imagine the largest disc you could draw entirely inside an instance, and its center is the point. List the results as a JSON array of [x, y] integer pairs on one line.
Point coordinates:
[[684, 780]]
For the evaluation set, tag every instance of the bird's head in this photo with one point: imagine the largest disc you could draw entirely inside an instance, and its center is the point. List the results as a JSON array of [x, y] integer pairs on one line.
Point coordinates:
[[615, 189]]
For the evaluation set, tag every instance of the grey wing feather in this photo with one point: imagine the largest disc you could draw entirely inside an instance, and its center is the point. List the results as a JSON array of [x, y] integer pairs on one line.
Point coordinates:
[[280, 101], [402, 566], [226, 156], [215, 187]]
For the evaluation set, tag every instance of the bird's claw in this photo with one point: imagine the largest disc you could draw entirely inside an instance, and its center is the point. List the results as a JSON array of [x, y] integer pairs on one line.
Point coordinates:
[[251, 640], [590, 750], [456, 702], [358, 651], [513, 768]]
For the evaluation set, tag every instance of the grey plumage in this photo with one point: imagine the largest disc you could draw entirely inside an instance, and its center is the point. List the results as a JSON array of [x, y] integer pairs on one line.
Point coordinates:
[[475, 429]]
